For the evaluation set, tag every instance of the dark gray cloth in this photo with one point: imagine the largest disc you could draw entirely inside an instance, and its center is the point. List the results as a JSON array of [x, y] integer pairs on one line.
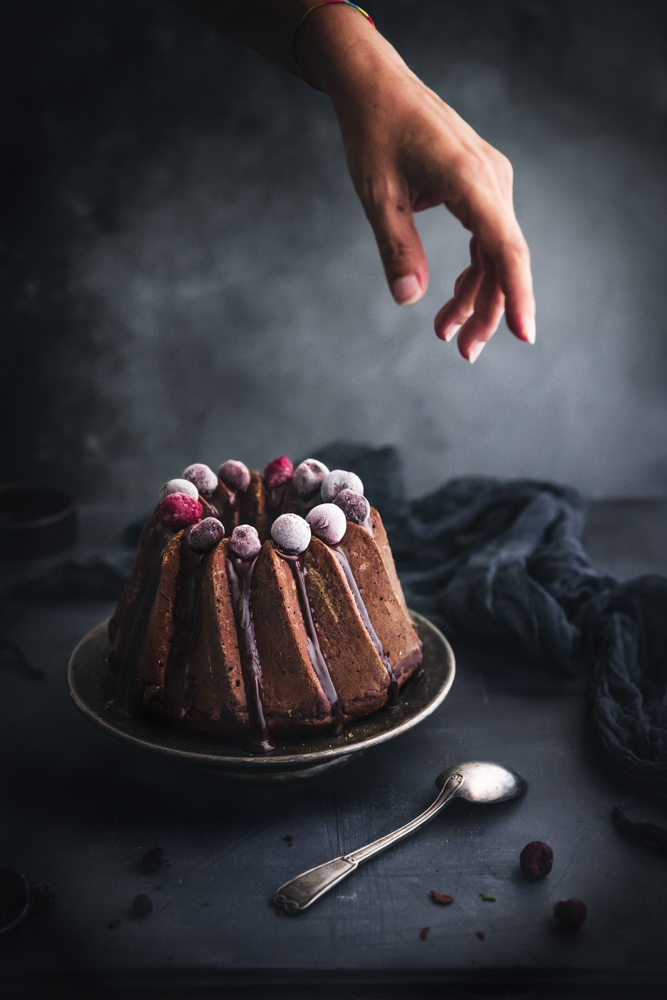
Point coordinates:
[[502, 562]]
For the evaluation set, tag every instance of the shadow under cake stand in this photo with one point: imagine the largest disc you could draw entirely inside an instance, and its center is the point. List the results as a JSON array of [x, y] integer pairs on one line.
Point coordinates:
[[291, 759]]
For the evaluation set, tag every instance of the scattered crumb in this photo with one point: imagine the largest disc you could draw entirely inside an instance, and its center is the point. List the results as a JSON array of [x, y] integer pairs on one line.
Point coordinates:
[[487, 899], [205, 904], [280, 913], [424, 933], [480, 935], [113, 924], [158, 888], [288, 840], [441, 897]]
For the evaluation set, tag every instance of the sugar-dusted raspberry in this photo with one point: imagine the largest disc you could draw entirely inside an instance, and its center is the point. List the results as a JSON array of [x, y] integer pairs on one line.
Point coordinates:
[[206, 535], [179, 486], [278, 472], [291, 533], [308, 477], [235, 475], [536, 859], [570, 912], [355, 506], [339, 480], [327, 522], [202, 476], [178, 510], [245, 541]]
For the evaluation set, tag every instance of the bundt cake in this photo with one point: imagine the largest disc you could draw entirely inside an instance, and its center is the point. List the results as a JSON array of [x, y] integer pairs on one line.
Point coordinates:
[[261, 607]]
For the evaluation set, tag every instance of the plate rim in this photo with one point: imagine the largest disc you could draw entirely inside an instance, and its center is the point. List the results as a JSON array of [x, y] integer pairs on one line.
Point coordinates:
[[252, 762]]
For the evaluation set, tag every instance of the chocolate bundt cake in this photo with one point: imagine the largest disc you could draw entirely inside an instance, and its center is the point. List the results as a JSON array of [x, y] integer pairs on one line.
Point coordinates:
[[261, 607]]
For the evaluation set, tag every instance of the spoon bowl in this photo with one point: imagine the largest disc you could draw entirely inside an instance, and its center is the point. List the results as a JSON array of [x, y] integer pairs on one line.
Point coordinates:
[[484, 782]]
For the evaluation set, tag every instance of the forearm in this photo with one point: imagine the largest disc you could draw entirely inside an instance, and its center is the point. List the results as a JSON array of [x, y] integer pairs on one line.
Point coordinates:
[[330, 37]]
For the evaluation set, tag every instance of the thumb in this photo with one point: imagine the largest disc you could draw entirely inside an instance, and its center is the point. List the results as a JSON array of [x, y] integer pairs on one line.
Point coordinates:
[[401, 250]]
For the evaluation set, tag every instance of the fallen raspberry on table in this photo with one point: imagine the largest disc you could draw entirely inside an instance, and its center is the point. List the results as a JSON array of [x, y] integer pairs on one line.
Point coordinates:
[[570, 912], [141, 905], [536, 859], [424, 933], [152, 860], [278, 471], [179, 510], [441, 897]]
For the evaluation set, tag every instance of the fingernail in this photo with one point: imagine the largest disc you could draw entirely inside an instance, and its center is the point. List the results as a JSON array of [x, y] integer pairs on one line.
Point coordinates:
[[530, 331], [406, 290], [452, 333], [475, 352]]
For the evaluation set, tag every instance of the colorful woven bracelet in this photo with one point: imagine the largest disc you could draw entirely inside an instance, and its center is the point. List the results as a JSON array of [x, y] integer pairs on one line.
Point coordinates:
[[325, 3]]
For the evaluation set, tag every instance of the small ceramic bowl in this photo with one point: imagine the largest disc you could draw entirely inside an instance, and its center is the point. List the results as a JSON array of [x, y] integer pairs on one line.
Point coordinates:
[[35, 520], [15, 899]]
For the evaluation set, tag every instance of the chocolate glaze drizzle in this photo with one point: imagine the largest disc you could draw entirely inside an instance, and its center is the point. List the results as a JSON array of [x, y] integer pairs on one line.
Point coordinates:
[[239, 574], [314, 651], [119, 703], [343, 559], [178, 680]]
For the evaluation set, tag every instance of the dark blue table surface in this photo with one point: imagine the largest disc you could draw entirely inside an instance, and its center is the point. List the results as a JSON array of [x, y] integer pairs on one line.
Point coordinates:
[[79, 809]]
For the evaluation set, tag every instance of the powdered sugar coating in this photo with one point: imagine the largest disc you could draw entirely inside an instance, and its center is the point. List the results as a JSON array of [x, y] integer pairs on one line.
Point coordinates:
[[235, 475], [278, 471], [327, 522], [308, 477], [291, 533], [355, 506], [202, 476], [206, 535], [339, 480], [179, 486], [244, 541], [178, 510]]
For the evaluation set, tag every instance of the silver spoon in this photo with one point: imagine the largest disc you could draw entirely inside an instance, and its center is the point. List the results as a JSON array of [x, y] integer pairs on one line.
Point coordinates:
[[476, 781]]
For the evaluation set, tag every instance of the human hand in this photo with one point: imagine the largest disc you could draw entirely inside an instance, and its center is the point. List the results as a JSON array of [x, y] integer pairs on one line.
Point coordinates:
[[408, 151]]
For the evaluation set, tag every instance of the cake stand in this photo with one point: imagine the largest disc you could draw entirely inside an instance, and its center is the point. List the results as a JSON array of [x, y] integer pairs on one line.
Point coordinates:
[[292, 759]]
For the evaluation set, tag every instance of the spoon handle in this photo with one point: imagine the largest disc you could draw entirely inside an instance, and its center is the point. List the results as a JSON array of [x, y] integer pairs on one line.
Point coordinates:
[[303, 890]]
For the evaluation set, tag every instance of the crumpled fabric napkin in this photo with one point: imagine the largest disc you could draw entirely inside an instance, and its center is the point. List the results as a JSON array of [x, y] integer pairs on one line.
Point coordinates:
[[502, 561]]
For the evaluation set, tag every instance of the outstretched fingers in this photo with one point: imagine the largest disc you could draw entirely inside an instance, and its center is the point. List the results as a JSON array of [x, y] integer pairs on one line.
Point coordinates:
[[484, 320], [455, 312]]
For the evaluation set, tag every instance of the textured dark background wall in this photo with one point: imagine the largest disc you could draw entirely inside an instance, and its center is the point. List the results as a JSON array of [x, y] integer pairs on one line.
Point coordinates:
[[187, 275]]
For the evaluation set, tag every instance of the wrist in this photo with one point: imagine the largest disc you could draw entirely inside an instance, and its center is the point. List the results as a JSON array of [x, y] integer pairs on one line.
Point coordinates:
[[341, 51]]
